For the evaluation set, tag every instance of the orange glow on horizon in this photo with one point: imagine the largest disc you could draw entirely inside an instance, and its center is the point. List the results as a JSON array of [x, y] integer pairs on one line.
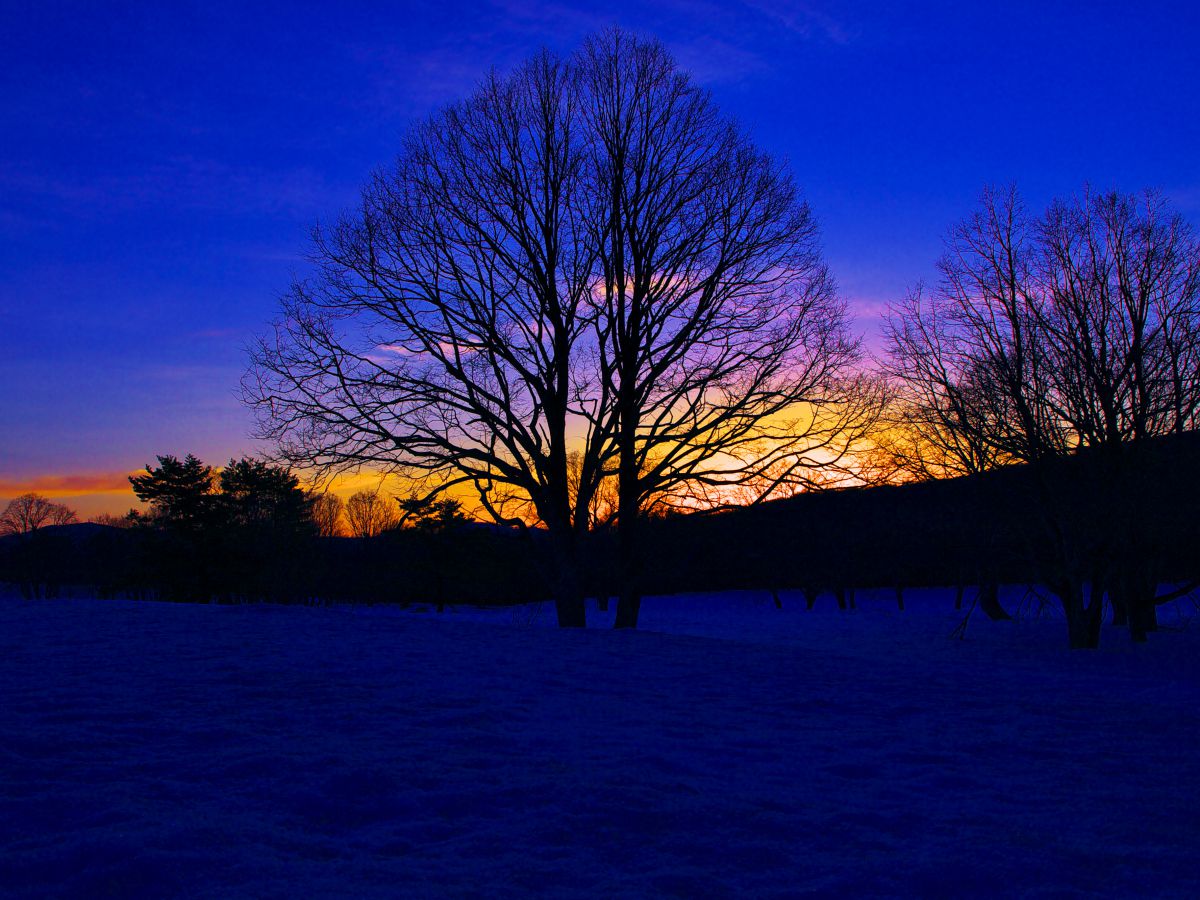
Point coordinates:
[[92, 494], [69, 485]]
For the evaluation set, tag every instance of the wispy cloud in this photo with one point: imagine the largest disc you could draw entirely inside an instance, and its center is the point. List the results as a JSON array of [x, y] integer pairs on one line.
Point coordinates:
[[722, 42], [804, 20], [67, 485], [713, 60], [1185, 198], [718, 42], [184, 182], [217, 334]]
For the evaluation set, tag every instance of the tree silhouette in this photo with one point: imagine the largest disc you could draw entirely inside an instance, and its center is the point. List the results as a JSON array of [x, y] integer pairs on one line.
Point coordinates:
[[29, 512], [180, 492], [582, 258], [236, 533], [1075, 331], [369, 514], [438, 338], [255, 494], [328, 515], [431, 515]]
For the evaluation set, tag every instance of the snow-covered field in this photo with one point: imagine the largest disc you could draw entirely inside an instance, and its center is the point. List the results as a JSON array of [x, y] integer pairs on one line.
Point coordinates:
[[727, 748]]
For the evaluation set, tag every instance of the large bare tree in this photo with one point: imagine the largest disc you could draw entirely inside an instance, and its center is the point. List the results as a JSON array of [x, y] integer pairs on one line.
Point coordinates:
[[582, 272], [1047, 336]]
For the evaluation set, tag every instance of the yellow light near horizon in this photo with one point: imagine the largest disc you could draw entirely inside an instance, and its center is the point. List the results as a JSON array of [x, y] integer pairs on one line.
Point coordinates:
[[68, 485]]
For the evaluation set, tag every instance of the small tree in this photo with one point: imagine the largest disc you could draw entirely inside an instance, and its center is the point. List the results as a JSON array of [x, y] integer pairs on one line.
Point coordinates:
[[180, 493], [255, 494], [328, 515], [423, 514], [29, 512], [369, 514], [233, 533]]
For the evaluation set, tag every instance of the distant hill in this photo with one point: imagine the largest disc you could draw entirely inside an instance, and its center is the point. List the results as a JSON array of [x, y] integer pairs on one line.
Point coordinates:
[[76, 532], [997, 525]]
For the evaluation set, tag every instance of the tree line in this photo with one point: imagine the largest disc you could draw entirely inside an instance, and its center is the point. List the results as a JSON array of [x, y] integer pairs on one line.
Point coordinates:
[[972, 533], [250, 532]]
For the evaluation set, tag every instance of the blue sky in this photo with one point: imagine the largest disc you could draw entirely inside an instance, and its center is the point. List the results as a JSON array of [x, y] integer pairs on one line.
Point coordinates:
[[162, 164]]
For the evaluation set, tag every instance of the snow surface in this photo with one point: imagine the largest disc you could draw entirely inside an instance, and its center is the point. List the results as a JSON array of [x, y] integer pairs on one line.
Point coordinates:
[[726, 748]]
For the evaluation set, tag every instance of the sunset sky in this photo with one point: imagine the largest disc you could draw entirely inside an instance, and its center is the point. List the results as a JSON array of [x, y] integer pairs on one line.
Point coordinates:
[[161, 165]]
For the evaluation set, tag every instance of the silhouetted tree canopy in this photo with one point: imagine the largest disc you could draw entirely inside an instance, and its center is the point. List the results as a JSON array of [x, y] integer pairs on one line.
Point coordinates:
[[370, 514], [1079, 328], [1075, 331], [585, 257], [180, 492], [29, 512], [238, 531], [329, 515], [431, 515], [256, 494]]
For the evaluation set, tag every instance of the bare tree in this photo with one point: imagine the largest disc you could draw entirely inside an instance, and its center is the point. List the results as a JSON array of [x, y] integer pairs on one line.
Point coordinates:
[[1078, 329], [583, 258], [1121, 313], [328, 515], [969, 360], [927, 432], [29, 512], [1122, 318], [369, 514], [723, 351]]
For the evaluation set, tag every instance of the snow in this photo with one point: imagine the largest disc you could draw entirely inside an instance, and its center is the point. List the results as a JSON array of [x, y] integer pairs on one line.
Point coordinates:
[[726, 748]]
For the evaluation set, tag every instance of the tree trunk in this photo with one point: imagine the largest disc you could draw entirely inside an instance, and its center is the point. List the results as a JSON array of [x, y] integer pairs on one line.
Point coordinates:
[[989, 602], [628, 609], [775, 597], [841, 599], [569, 603], [1146, 600], [1120, 612], [958, 597], [1143, 617], [900, 598], [1083, 620], [571, 612], [629, 603], [810, 597], [1135, 594]]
